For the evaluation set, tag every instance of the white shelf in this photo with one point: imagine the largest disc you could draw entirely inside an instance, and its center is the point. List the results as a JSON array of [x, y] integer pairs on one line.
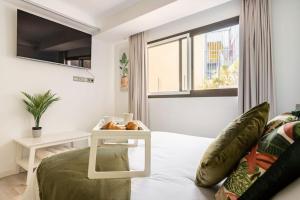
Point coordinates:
[[47, 151], [48, 139], [38, 147], [24, 163]]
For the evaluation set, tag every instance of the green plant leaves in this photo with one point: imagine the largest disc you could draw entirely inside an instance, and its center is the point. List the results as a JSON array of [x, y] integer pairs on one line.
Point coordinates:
[[38, 104], [124, 62]]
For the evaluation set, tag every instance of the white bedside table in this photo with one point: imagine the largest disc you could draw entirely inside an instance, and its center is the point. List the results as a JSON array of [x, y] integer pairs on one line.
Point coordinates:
[[46, 140]]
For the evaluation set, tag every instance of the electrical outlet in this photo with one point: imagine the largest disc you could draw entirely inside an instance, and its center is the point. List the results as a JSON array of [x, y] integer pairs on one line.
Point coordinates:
[[90, 80], [298, 107], [77, 78], [83, 79]]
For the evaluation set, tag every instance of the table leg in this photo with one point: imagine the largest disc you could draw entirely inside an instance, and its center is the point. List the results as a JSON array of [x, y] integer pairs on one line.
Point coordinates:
[[92, 158], [147, 156], [89, 142], [18, 155], [30, 165], [93, 174]]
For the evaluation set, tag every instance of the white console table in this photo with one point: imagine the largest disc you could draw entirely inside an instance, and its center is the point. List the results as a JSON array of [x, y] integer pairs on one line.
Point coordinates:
[[28, 163]]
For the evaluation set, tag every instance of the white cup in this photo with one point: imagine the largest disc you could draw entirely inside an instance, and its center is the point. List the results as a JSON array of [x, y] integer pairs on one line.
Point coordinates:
[[107, 119], [127, 117]]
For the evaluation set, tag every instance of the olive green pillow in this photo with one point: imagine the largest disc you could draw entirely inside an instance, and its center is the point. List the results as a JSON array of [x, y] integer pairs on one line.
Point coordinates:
[[231, 145]]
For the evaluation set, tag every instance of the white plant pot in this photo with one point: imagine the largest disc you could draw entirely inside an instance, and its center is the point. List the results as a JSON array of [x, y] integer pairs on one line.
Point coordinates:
[[36, 132]]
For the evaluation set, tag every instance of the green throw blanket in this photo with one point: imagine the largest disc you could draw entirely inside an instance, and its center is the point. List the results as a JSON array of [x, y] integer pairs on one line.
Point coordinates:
[[64, 176]]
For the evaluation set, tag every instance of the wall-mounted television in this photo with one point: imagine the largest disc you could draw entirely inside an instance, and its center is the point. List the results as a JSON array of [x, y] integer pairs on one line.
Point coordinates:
[[45, 40]]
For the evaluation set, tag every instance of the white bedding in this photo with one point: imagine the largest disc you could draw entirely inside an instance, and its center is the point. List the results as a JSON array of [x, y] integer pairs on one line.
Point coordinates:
[[175, 159]]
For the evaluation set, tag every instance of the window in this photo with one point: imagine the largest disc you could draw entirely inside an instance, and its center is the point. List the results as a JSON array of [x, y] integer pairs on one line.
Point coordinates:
[[168, 66], [200, 62], [216, 59]]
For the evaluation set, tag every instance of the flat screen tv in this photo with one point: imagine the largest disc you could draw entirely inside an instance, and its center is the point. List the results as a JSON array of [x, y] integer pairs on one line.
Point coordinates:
[[45, 40]]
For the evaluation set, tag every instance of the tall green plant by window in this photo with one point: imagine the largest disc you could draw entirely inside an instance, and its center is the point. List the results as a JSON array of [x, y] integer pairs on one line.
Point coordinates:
[[38, 104]]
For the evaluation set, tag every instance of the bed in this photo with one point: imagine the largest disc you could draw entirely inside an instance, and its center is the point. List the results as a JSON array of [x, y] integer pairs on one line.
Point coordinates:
[[175, 158]]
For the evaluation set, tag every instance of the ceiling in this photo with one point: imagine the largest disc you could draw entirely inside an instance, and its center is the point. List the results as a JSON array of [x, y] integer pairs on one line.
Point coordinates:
[[101, 8], [119, 19]]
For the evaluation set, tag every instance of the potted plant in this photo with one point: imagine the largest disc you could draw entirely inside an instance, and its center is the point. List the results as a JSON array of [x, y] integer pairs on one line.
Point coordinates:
[[124, 70], [37, 105]]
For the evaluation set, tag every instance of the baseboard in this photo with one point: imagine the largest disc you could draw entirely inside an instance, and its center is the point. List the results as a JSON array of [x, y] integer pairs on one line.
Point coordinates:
[[9, 173]]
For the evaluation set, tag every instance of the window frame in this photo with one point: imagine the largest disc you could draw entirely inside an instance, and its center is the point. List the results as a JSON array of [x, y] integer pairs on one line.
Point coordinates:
[[224, 92], [166, 41]]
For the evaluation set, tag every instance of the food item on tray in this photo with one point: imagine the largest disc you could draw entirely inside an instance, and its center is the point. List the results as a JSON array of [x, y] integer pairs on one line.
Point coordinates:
[[112, 126], [132, 126]]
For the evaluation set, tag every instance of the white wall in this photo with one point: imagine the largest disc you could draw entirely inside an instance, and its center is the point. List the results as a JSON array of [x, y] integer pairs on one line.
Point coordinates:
[[286, 43], [203, 116], [121, 95], [206, 116], [81, 104]]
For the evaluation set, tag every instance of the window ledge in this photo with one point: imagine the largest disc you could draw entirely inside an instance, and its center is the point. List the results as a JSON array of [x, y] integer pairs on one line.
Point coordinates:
[[226, 92]]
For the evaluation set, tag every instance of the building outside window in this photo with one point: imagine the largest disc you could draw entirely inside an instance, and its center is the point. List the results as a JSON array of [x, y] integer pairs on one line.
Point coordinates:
[[216, 59]]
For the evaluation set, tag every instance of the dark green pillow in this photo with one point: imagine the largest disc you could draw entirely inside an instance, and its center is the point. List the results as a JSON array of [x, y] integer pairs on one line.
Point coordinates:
[[231, 145]]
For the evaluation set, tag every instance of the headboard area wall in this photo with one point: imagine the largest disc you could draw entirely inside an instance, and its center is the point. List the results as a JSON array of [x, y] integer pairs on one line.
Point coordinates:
[[81, 103]]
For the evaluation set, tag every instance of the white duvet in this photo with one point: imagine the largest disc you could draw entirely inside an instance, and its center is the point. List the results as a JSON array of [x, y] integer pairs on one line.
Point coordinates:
[[174, 161]]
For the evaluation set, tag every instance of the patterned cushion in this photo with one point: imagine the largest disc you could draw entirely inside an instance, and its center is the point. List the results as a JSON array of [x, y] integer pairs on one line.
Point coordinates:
[[282, 173], [280, 120], [258, 160]]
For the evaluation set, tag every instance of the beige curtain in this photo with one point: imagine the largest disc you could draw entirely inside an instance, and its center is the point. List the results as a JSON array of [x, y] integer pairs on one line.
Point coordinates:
[[138, 100], [256, 79]]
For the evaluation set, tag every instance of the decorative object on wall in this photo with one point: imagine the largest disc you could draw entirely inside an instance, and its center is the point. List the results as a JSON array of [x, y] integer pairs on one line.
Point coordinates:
[[124, 71], [37, 105]]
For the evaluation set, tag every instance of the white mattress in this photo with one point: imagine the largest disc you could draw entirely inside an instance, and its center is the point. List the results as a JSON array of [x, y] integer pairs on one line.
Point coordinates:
[[175, 158]]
